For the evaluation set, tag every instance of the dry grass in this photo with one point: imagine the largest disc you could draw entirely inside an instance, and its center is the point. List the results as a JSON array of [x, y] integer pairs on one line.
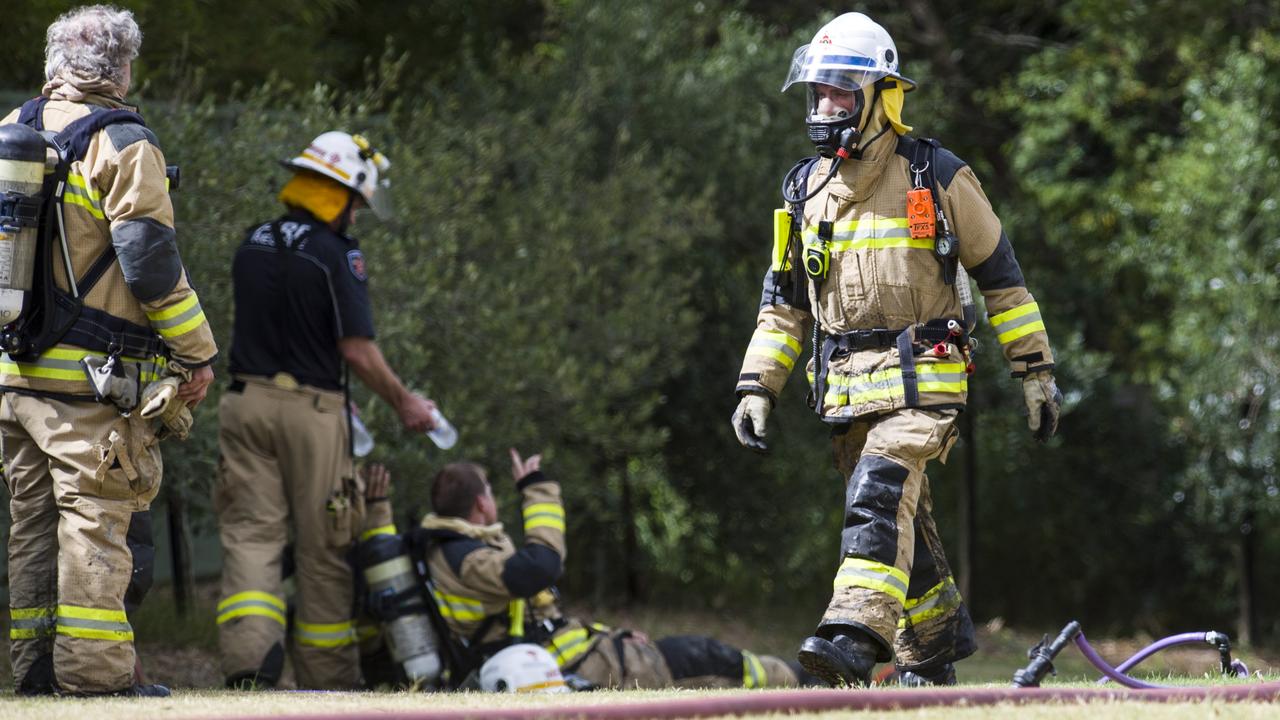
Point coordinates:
[[226, 704], [187, 661]]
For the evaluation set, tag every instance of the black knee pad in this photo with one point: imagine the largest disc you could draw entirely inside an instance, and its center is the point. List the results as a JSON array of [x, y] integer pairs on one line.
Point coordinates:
[[699, 656], [871, 509]]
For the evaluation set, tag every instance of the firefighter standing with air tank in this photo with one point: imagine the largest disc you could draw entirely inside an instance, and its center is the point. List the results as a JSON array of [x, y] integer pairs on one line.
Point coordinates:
[[301, 313], [868, 267], [110, 335]]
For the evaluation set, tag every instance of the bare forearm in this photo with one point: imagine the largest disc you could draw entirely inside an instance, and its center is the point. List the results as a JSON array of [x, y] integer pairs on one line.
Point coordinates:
[[364, 357]]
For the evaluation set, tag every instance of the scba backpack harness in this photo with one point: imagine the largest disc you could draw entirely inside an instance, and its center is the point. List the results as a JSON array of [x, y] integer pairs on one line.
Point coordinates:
[[51, 315]]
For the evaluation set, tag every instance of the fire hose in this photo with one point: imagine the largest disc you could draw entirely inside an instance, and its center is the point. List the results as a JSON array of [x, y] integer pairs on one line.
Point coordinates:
[[1043, 654]]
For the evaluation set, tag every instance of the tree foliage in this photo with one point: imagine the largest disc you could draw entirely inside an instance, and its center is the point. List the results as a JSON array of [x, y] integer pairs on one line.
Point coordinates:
[[584, 194]]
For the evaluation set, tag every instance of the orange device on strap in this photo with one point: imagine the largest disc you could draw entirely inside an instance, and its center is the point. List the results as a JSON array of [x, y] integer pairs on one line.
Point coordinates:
[[920, 215]]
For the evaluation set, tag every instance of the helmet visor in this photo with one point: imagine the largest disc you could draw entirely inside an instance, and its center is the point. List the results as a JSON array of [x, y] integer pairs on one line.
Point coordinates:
[[833, 65], [379, 199]]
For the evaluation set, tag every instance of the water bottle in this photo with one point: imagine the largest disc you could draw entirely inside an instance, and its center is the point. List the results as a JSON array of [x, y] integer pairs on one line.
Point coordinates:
[[444, 435], [361, 438]]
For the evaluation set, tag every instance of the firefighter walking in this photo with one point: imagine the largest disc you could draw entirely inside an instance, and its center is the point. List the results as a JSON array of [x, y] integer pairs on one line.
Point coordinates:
[[301, 314], [110, 335], [869, 268]]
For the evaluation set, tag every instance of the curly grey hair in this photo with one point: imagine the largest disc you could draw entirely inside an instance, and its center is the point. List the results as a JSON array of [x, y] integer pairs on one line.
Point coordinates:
[[91, 43]]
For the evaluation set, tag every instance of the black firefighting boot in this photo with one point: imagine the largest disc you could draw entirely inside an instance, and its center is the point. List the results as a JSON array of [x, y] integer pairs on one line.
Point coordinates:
[[39, 678], [842, 661], [154, 690], [944, 674]]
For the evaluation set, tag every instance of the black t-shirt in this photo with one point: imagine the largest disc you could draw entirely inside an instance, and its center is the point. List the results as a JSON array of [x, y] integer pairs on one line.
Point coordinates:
[[299, 288]]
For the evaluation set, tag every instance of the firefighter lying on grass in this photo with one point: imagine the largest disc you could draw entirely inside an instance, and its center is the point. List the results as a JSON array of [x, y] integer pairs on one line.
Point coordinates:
[[491, 593]]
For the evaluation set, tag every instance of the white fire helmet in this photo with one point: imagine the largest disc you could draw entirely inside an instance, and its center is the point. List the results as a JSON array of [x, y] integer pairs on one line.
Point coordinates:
[[849, 52], [522, 668], [353, 163]]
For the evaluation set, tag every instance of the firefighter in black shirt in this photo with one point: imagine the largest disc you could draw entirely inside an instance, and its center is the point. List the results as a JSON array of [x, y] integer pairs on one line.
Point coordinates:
[[301, 311]]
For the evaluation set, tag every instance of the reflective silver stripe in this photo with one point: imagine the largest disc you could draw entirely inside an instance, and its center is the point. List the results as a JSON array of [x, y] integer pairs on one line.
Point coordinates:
[[781, 347], [94, 624], [1018, 322], [41, 623]]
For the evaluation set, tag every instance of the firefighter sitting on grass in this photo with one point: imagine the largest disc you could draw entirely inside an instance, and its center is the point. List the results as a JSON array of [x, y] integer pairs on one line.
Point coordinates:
[[493, 593]]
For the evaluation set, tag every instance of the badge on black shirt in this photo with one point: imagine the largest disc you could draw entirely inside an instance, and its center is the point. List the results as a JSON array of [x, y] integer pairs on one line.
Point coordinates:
[[355, 263]]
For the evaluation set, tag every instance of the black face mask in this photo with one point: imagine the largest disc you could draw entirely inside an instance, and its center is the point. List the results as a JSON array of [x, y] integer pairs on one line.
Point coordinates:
[[829, 137]]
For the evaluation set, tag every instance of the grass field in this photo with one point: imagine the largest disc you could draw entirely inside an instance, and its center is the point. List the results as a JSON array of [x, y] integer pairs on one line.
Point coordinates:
[[186, 660]]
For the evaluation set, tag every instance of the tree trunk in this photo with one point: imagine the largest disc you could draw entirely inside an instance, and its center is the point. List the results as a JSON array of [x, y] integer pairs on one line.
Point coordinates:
[[180, 551], [629, 542], [965, 564], [1246, 598]]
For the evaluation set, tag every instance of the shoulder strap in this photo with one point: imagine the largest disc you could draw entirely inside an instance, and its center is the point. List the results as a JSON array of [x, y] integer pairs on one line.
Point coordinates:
[[32, 113], [800, 172], [74, 139]]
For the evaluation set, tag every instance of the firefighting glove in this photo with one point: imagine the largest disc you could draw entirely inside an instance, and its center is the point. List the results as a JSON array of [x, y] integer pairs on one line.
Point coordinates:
[[1044, 402], [160, 400], [749, 421]]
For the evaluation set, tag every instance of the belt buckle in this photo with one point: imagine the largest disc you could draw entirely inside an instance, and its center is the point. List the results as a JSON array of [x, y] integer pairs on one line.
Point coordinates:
[[284, 381]]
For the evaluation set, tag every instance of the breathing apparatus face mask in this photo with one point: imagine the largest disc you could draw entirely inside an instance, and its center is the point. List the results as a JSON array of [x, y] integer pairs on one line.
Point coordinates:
[[834, 118]]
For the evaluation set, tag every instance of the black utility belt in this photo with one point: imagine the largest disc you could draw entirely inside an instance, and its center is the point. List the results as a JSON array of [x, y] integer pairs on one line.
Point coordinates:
[[934, 331]]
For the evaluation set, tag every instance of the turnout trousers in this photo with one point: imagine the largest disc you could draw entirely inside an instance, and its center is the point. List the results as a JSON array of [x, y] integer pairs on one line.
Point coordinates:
[[77, 472], [284, 467], [618, 659], [894, 581]]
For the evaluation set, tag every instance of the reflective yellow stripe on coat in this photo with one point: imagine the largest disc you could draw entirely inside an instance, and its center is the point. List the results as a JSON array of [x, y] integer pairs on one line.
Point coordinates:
[[776, 346], [1017, 322], [885, 385], [78, 191], [63, 363], [548, 515], [570, 645], [869, 233], [178, 319], [459, 608]]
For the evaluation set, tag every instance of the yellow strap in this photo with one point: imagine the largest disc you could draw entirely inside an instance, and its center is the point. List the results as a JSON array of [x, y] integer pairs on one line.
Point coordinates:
[[383, 530], [781, 236], [515, 614]]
